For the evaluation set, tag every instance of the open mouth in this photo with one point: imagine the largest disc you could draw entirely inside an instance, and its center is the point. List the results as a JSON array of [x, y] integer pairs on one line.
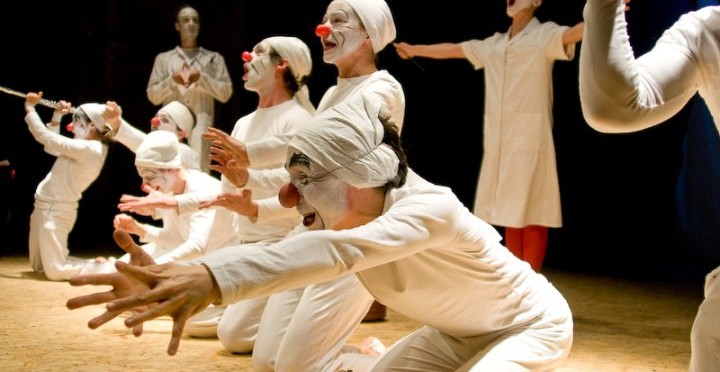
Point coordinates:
[[328, 44], [511, 2], [308, 219]]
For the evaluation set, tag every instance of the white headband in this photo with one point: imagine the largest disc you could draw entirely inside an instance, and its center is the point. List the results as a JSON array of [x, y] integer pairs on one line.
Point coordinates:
[[347, 140], [299, 61], [378, 21]]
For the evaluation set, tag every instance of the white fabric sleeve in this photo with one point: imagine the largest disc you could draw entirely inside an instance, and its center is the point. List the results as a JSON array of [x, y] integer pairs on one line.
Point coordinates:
[[129, 136], [160, 86], [317, 256], [266, 151], [54, 143], [197, 241], [218, 85], [619, 93]]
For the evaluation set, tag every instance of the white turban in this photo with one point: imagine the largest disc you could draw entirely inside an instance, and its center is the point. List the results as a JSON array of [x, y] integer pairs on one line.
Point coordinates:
[[181, 115], [159, 150], [299, 61], [347, 140], [378, 21], [94, 112]]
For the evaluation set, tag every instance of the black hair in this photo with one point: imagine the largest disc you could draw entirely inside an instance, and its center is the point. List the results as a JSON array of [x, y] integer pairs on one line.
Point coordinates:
[[391, 137]]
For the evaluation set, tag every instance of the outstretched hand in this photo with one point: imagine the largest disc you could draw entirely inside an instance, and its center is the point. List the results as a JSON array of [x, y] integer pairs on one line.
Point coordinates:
[[235, 148], [149, 291], [146, 205], [121, 287]]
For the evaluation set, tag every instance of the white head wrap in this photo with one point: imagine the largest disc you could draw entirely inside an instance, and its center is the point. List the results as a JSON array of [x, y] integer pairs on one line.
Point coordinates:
[[181, 115], [378, 21], [159, 150], [94, 112], [299, 61], [347, 140]]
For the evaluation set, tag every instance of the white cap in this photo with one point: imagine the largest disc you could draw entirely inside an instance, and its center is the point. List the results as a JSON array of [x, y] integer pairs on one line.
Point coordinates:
[[346, 139], [94, 112], [378, 21], [181, 114], [160, 150]]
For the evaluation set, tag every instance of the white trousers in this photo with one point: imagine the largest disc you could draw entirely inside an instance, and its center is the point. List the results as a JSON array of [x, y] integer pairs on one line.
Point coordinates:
[[539, 346], [705, 334], [50, 226], [306, 329]]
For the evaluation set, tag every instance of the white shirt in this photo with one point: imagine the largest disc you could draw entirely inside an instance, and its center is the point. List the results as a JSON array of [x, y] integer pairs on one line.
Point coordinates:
[[192, 234], [274, 220], [426, 257], [78, 163]]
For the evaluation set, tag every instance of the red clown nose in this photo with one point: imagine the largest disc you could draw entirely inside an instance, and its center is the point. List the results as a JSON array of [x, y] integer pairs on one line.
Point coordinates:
[[155, 122], [246, 56], [69, 127], [322, 30]]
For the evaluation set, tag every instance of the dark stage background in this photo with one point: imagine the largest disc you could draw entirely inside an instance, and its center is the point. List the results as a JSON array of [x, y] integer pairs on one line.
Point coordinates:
[[619, 192]]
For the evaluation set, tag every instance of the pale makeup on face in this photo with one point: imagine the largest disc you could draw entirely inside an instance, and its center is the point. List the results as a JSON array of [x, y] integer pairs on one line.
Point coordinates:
[[167, 123], [259, 71], [157, 179], [188, 23], [323, 196], [514, 6], [347, 31]]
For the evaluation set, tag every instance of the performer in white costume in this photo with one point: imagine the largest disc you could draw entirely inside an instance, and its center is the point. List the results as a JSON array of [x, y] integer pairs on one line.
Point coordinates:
[[412, 244], [175, 117], [518, 184], [621, 93], [194, 76], [182, 236], [78, 164]]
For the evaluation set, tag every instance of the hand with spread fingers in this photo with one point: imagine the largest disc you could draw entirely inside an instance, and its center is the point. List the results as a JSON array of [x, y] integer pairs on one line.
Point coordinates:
[[149, 291], [235, 148], [240, 203], [225, 163], [146, 205]]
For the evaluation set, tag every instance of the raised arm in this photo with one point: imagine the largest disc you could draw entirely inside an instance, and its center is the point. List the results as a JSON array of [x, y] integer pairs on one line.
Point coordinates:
[[620, 93]]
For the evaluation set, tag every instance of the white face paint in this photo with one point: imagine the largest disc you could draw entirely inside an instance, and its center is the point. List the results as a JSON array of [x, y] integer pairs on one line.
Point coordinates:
[[188, 23], [514, 6], [323, 196], [158, 179], [260, 71], [347, 32], [80, 126], [166, 123]]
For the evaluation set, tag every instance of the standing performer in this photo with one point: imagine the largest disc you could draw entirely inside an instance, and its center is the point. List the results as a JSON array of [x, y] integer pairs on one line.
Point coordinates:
[[620, 93], [79, 162], [194, 76], [518, 185]]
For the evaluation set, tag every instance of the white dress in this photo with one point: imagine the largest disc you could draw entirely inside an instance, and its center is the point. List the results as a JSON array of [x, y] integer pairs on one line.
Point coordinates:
[[518, 183]]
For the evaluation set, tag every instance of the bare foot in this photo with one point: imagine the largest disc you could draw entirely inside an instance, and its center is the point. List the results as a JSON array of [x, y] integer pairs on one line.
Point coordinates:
[[372, 346]]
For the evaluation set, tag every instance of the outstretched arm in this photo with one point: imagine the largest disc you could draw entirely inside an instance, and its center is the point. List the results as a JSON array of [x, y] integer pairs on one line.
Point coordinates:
[[620, 93], [149, 291], [436, 51]]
